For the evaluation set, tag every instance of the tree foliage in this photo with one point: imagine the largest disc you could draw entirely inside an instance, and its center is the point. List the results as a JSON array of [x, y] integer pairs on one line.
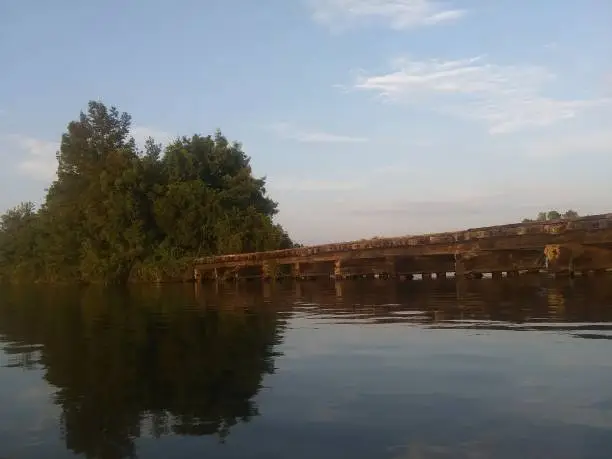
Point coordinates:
[[553, 215], [116, 212]]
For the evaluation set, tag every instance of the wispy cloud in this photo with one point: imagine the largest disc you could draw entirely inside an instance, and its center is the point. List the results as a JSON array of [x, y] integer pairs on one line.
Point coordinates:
[[142, 133], [507, 98], [398, 14], [608, 83], [519, 200], [577, 143], [38, 157], [39, 161], [313, 185], [551, 46], [288, 131]]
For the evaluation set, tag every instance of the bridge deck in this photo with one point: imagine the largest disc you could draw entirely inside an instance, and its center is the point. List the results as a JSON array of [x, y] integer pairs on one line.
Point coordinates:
[[590, 230]]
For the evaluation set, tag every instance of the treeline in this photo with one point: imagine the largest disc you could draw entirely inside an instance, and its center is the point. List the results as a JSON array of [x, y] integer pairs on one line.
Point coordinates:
[[117, 212], [552, 215]]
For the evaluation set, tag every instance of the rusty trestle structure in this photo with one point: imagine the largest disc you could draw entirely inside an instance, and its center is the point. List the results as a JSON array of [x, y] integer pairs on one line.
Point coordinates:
[[561, 247]]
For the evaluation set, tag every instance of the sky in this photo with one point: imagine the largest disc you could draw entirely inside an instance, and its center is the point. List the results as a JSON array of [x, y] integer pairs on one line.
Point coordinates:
[[367, 117]]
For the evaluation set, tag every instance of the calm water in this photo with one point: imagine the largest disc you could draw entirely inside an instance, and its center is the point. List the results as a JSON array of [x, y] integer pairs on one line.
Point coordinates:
[[517, 368]]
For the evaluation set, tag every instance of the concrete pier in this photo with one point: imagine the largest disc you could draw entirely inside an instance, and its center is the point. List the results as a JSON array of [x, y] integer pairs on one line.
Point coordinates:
[[559, 248]]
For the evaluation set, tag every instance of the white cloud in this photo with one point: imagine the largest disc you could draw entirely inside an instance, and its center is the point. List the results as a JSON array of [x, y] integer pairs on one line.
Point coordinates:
[[579, 143], [288, 131], [40, 162], [34, 146], [39, 159], [142, 133], [553, 45], [39, 168], [483, 203], [288, 184], [398, 14], [507, 98], [608, 83]]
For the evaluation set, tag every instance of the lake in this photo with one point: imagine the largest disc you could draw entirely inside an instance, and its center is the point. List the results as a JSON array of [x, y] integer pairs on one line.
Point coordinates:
[[511, 368]]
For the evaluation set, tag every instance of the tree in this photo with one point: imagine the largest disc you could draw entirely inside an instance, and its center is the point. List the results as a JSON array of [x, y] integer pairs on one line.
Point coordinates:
[[553, 215], [115, 212], [19, 241], [570, 214]]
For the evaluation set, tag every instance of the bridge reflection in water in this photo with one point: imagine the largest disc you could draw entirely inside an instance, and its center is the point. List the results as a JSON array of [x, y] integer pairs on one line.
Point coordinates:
[[126, 368], [526, 302]]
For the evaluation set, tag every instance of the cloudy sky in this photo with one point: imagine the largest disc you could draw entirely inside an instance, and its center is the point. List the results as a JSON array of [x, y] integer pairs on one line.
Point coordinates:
[[368, 117]]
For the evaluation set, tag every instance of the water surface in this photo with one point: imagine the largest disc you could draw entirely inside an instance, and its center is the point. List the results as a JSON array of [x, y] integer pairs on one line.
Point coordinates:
[[356, 369]]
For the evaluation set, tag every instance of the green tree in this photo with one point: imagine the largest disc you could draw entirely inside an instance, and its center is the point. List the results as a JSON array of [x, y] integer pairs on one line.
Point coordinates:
[[553, 215], [19, 239], [571, 214], [116, 213]]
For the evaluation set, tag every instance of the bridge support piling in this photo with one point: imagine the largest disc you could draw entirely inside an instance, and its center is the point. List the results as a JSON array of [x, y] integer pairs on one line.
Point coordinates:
[[269, 270], [560, 259], [459, 266], [390, 268], [338, 269]]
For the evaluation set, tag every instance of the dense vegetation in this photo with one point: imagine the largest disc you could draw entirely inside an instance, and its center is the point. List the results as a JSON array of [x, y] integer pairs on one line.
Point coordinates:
[[117, 213], [552, 215]]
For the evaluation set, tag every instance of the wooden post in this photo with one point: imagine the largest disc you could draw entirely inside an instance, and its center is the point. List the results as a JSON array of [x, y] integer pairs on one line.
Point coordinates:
[[338, 286], [338, 269], [459, 267], [268, 269], [390, 266]]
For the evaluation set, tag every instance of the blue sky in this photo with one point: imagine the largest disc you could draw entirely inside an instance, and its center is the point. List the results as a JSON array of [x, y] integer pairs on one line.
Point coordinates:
[[368, 117]]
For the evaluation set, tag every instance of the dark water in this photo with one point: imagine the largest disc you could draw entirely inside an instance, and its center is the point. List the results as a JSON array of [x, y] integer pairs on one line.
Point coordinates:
[[517, 368]]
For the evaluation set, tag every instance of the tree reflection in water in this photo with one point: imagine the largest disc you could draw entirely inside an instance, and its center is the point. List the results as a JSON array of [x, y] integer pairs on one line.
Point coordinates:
[[128, 365], [141, 362]]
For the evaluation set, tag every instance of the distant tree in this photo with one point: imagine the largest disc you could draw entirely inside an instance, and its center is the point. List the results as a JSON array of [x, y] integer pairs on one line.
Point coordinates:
[[552, 215], [571, 214]]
